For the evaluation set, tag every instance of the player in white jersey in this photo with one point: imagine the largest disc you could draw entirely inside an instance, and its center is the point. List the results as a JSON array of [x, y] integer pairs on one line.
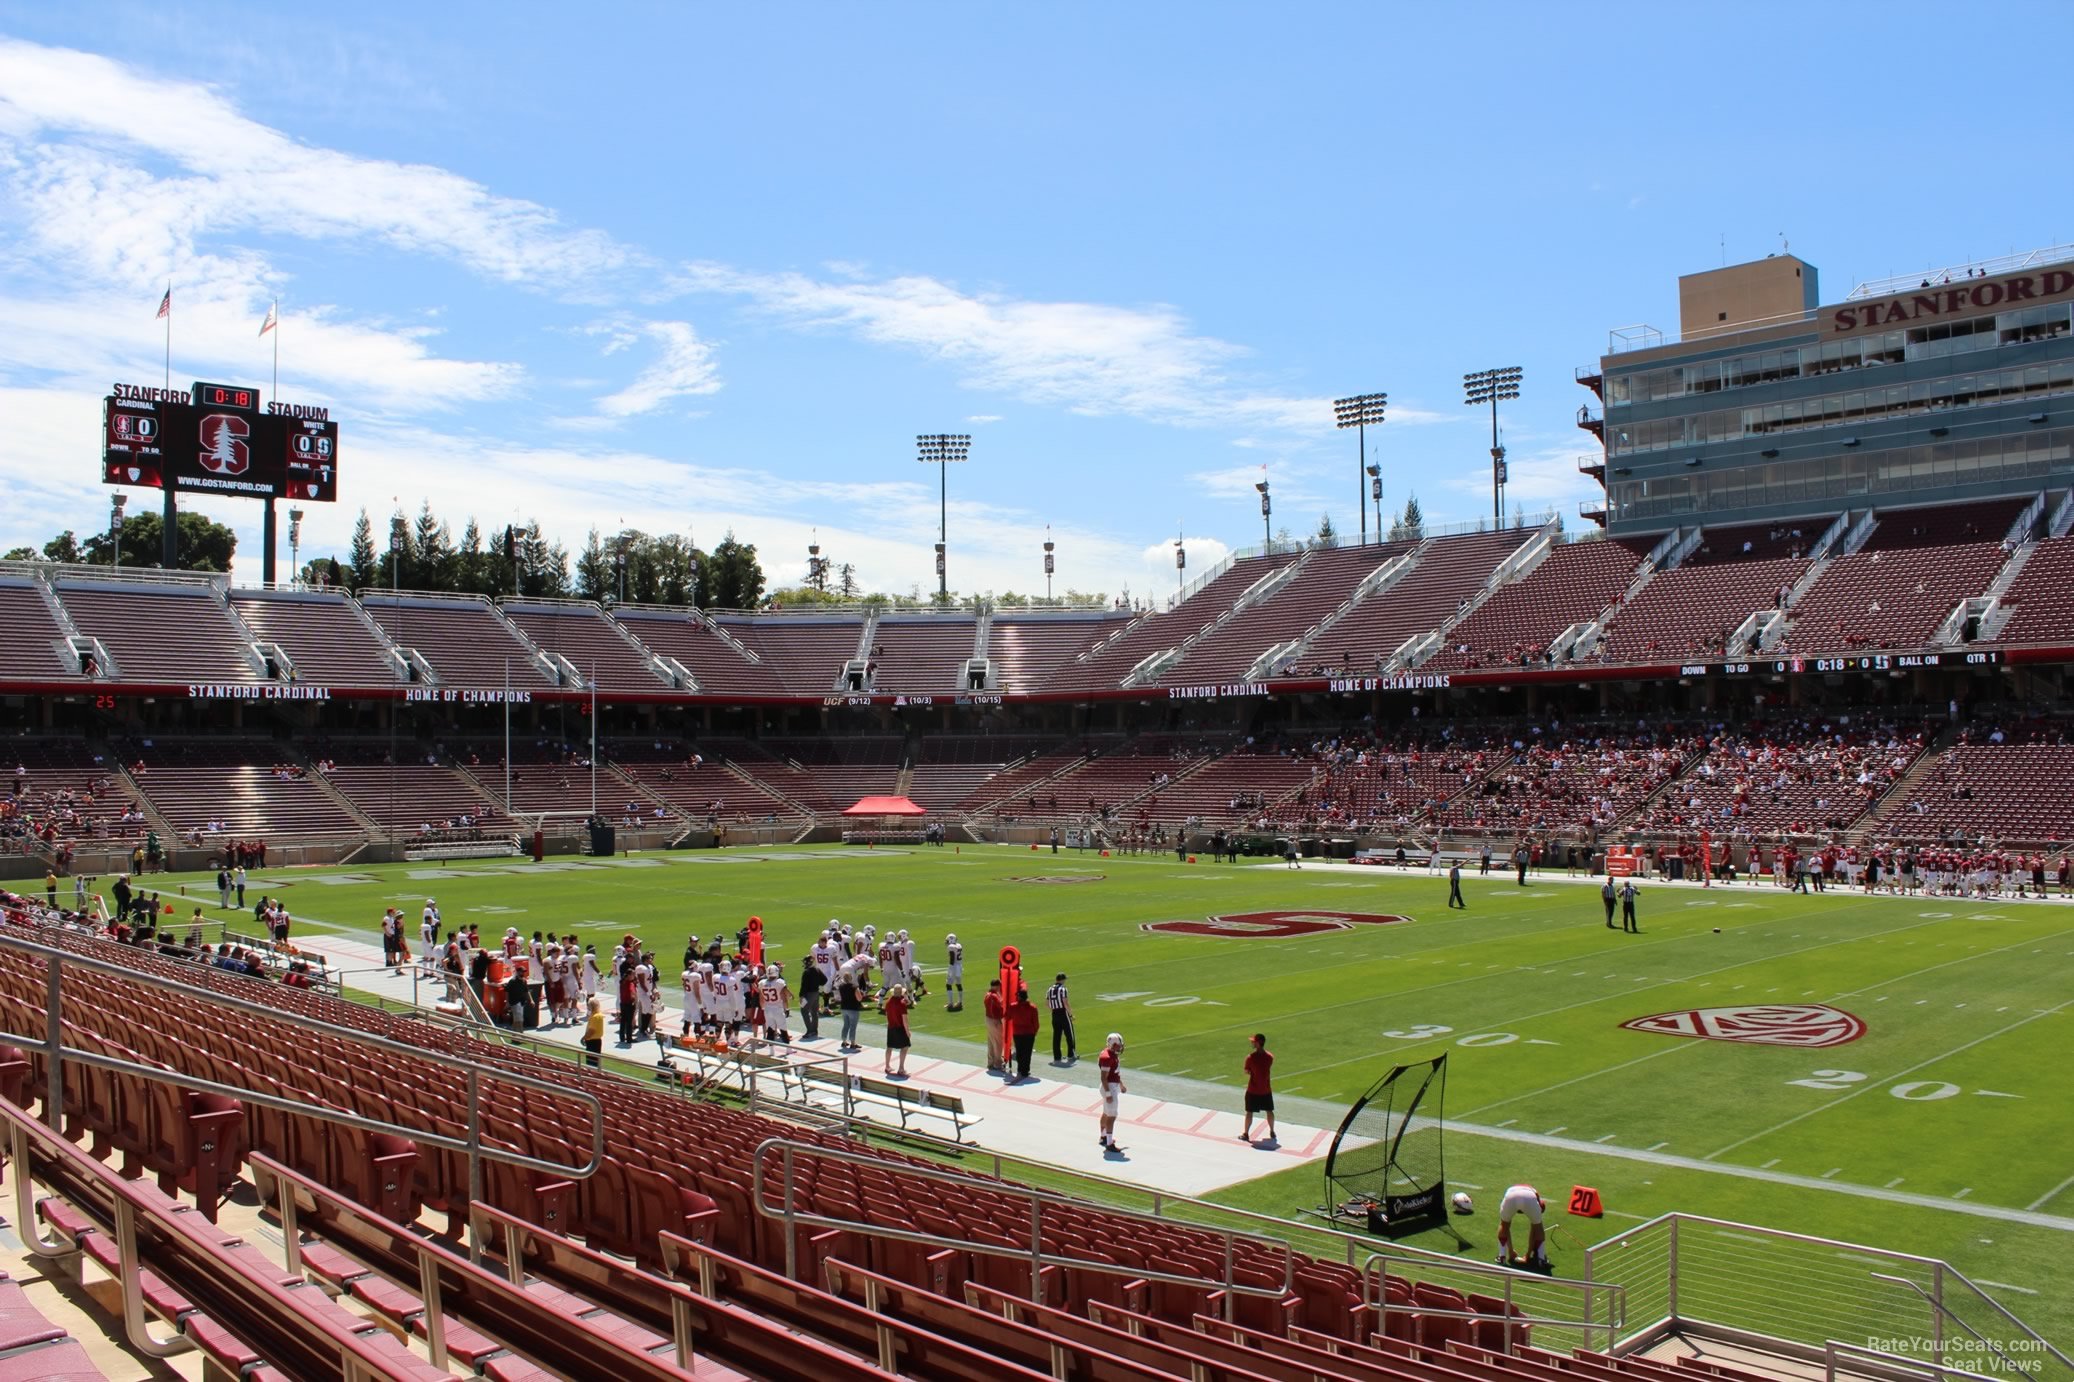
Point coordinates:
[[953, 974], [889, 962], [911, 972], [694, 1003], [775, 997], [721, 993]]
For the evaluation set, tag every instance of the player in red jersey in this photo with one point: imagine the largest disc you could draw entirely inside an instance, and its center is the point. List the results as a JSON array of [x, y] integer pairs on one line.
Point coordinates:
[[1110, 1066]]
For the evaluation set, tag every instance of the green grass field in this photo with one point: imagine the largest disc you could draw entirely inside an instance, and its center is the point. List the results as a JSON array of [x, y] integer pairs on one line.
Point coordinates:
[[1946, 1113]]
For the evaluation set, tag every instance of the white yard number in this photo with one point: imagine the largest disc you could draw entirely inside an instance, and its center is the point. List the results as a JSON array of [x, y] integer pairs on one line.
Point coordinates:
[[1418, 1033], [1429, 1029], [1914, 1091], [1488, 1039], [1831, 1079]]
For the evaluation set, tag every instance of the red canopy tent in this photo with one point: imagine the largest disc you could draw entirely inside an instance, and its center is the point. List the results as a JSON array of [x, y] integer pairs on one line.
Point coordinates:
[[886, 806]]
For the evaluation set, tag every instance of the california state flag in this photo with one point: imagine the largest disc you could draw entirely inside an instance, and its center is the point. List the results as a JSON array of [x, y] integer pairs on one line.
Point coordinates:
[[273, 318]]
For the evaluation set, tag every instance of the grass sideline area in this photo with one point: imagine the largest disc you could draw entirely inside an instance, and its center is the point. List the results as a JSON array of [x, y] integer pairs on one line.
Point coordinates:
[[1934, 1124]]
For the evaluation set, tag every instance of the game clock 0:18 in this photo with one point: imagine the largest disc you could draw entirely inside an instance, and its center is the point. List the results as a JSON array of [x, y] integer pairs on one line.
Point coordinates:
[[226, 396]]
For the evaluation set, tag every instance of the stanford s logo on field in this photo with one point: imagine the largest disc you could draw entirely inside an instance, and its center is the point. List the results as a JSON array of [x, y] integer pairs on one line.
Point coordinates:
[[1275, 925], [1807, 1025]]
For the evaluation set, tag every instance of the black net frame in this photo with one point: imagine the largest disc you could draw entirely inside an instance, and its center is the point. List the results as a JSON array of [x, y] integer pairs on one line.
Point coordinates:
[[1372, 1178]]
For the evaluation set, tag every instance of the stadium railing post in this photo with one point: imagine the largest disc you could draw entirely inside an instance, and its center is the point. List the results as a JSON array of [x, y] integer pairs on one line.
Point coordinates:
[[1937, 1314], [791, 1229], [53, 1049], [1671, 1274], [474, 1163]]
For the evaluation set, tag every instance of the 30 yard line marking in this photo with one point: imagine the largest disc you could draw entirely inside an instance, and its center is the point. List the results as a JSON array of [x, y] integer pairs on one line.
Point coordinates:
[[2050, 1195]]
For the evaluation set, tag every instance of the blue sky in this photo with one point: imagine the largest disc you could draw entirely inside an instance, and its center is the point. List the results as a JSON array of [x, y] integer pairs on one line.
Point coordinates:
[[712, 267]]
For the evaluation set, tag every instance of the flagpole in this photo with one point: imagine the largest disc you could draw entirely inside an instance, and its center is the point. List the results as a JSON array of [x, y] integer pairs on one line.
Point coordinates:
[[169, 334], [276, 316]]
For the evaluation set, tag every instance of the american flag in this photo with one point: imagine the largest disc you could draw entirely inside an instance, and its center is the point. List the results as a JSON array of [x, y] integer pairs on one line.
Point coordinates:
[[165, 304]]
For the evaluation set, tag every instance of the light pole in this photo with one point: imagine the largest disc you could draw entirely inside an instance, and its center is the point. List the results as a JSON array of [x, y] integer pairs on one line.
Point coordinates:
[[942, 448], [295, 546], [1493, 386], [116, 504], [1047, 562], [1358, 412], [817, 569], [1267, 527], [1375, 490], [1180, 564]]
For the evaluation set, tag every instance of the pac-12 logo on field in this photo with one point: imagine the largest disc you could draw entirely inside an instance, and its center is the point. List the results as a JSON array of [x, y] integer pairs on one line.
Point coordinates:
[[1276, 925], [1807, 1025], [223, 444]]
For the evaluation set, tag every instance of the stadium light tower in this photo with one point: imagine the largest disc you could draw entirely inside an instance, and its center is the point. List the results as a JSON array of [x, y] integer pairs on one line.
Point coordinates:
[[1375, 489], [1180, 564], [1047, 561], [1267, 524], [1493, 386], [295, 546], [116, 504], [942, 448], [1358, 412]]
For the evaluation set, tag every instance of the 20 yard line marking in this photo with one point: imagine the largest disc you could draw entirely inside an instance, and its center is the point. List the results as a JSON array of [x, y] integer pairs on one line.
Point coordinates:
[[1883, 1083]]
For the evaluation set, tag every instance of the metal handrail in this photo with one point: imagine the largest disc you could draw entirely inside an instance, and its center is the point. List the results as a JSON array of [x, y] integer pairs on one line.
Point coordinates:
[[1836, 1351], [1506, 1278], [56, 1052], [1945, 1312], [1035, 1254]]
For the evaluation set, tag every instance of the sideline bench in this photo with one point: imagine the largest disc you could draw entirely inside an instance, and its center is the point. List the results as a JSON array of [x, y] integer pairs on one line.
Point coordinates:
[[905, 1100]]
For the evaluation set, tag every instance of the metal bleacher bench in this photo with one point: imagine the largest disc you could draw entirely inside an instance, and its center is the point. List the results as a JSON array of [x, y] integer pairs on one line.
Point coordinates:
[[736, 1067]]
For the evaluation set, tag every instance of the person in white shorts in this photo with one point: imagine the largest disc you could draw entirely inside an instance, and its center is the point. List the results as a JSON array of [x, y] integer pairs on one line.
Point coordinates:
[[1522, 1199], [694, 1006], [953, 974], [1110, 1066]]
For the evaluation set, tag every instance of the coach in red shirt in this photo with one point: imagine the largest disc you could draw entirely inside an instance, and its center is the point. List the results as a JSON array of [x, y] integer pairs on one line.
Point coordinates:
[[1022, 1022], [1259, 1097]]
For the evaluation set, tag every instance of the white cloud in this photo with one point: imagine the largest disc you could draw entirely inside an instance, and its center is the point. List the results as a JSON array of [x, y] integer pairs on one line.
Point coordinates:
[[685, 367], [982, 419], [239, 174], [1090, 358]]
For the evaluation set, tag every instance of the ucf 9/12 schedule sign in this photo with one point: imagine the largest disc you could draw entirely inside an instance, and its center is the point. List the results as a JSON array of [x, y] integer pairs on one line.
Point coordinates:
[[216, 439]]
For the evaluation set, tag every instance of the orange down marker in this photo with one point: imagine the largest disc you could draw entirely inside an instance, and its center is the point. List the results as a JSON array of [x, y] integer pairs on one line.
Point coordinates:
[[1584, 1201]]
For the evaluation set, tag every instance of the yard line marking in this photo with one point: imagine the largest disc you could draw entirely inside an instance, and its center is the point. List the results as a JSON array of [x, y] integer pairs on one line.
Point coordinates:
[[1883, 1082], [1963, 1193], [2050, 1194], [1607, 1138], [2006, 1286], [1769, 1164], [1657, 1146], [1202, 1120], [1896, 1181], [1510, 1121], [1179, 1073], [1996, 1094], [1830, 1172], [1565, 1127]]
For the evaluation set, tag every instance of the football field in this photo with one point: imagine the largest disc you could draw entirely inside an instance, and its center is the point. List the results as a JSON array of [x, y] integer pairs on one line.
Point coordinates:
[[1875, 1069]]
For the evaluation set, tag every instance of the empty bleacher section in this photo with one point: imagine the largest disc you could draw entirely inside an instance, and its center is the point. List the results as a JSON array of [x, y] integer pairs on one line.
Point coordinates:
[[549, 778], [1449, 571], [327, 641], [1895, 591], [1027, 651], [950, 767], [698, 783], [462, 637], [926, 653], [2040, 601], [1105, 664], [1516, 626], [1023, 791], [418, 793], [826, 775], [1230, 789], [34, 638], [580, 633], [1692, 609], [164, 630], [2017, 794], [1320, 585], [686, 637], [800, 652], [234, 789], [1136, 771]]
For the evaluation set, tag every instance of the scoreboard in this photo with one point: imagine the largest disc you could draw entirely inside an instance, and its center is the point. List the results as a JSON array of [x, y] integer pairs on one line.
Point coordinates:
[[216, 439]]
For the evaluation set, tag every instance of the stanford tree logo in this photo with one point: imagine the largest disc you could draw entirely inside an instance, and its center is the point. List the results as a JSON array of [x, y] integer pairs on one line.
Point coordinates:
[[1806, 1025], [224, 449]]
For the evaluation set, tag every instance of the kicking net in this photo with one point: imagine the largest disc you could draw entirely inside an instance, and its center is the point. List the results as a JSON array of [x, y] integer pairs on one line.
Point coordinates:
[[1385, 1167]]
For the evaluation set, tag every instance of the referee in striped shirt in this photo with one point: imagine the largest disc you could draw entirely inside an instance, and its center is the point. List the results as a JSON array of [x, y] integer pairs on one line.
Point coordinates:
[[1061, 1004]]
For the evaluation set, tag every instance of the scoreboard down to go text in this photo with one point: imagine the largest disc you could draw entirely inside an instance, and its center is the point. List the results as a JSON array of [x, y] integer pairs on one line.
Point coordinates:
[[216, 439]]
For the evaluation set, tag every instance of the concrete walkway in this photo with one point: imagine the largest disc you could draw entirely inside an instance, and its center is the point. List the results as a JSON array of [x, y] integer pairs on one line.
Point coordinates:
[[1052, 1117]]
